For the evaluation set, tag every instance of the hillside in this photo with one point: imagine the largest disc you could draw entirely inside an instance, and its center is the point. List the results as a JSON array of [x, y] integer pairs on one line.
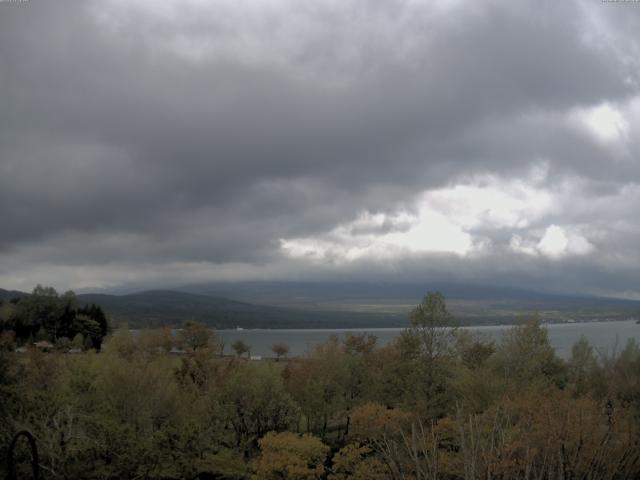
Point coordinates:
[[166, 307], [307, 305], [9, 294], [468, 302]]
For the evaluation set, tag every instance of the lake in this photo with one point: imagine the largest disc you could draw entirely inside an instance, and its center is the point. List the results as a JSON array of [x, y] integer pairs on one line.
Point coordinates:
[[606, 337]]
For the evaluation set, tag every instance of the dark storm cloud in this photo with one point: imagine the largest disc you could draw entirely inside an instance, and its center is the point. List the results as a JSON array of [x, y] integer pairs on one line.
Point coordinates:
[[204, 133]]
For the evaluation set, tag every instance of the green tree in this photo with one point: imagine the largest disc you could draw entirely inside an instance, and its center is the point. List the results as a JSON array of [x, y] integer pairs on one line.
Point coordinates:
[[473, 350], [583, 366], [47, 315], [7, 341], [78, 341], [96, 313], [426, 355], [91, 330], [63, 344], [241, 347], [255, 402], [42, 335], [433, 326], [525, 355]]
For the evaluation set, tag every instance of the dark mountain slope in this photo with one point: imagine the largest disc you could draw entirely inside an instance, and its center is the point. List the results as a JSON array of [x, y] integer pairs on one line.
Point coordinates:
[[469, 303], [317, 305], [165, 307], [9, 294]]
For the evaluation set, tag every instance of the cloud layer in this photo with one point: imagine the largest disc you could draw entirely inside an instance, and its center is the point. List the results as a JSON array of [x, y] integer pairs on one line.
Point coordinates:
[[157, 143]]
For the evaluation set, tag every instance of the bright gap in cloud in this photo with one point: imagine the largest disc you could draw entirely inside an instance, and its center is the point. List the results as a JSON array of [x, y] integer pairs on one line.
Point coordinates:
[[606, 122], [443, 221], [556, 242]]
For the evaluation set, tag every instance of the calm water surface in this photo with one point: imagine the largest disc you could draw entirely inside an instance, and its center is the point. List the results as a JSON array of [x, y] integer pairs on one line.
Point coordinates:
[[606, 337]]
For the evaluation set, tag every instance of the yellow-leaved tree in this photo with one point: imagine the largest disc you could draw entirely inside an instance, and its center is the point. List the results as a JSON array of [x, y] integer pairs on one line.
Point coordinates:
[[290, 456]]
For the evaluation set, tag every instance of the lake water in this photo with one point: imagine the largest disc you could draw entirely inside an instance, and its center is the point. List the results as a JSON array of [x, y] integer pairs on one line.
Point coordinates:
[[606, 337]]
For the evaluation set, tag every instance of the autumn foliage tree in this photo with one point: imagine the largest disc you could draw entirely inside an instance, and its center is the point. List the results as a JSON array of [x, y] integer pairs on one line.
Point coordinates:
[[280, 350], [289, 456]]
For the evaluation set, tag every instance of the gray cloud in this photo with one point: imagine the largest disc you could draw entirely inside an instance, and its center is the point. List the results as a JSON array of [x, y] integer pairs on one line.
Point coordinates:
[[144, 141]]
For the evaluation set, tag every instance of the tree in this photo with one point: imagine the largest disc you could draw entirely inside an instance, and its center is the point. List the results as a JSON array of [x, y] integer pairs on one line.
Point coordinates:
[[583, 368], [359, 344], [41, 335], [280, 349], [256, 402], [49, 316], [318, 384], [473, 350], [525, 354], [546, 433], [7, 341], [63, 344], [433, 326], [78, 341], [427, 353], [39, 314], [371, 422], [40, 291], [623, 375], [240, 347], [91, 330], [288, 456], [357, 462], [196, 335], [88, 343], [96, 313]]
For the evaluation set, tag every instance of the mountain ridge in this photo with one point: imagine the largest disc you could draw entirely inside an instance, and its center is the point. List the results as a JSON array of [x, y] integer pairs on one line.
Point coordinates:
[[300, 305]]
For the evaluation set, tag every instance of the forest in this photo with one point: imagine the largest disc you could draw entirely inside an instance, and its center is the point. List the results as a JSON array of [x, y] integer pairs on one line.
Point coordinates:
[[57, 321], [438, 403]]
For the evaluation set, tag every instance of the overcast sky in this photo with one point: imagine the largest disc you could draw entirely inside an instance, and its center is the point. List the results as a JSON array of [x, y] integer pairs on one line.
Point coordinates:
[[154, 143]]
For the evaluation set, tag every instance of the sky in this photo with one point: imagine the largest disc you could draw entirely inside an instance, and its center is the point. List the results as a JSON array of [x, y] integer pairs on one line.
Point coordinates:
[[148, 144]]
